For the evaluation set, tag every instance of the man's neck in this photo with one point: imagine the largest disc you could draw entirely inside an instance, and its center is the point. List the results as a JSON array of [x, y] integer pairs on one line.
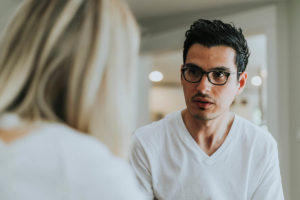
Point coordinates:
[[208, 134]]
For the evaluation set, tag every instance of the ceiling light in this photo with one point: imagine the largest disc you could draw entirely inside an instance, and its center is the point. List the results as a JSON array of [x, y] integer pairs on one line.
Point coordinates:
[[156, 76], [256, 80]]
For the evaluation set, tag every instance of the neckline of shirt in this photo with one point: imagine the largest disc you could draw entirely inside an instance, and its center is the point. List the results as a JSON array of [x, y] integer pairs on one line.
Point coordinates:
[[188, 139]]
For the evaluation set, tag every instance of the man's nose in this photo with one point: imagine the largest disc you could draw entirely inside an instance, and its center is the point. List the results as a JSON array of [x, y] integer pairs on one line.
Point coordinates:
[[204, 85]]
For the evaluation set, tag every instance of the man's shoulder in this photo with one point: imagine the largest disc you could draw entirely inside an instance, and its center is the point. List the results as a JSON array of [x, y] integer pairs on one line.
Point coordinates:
[[254, 133], [155, 132]]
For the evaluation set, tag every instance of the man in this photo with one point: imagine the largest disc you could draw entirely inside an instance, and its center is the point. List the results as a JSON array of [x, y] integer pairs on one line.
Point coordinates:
[[205, 151]]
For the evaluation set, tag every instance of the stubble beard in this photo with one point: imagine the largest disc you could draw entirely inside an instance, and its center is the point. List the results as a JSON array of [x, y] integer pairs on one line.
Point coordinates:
[[210, 115], [203, 116]]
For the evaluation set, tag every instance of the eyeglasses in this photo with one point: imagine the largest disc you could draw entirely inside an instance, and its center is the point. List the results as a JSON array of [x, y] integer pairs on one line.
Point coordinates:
[[194, 74]]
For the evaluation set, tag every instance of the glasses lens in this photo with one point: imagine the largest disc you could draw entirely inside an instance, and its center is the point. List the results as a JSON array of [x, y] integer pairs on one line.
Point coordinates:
[[218, 77], [192, 74]]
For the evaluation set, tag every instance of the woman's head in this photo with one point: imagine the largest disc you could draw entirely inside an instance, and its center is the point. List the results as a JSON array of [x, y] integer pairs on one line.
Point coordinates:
[[71, 62]]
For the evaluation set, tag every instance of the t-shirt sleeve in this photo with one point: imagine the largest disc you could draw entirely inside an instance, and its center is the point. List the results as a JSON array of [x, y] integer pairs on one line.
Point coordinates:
[[270, 186], [140, 165]]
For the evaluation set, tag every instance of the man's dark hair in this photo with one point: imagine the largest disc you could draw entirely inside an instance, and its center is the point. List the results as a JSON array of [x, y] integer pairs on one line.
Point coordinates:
[[215, 33]]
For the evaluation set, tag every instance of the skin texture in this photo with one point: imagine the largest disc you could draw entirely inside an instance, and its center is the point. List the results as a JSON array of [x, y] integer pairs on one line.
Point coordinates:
[[9, 136], [208, 117]]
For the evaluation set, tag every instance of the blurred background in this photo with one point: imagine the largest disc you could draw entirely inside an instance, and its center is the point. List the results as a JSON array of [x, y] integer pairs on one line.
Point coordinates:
[[272, 95]]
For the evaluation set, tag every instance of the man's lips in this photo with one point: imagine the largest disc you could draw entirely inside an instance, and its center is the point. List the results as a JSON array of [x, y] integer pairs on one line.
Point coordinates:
[[202, 102], [203, 105], [202, 99]]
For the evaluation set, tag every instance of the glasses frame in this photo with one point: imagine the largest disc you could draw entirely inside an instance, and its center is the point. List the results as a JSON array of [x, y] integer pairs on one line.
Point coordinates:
[[207, 75]]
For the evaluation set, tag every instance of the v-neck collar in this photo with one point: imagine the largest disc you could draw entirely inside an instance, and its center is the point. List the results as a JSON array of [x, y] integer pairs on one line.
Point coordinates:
[[188, 139]]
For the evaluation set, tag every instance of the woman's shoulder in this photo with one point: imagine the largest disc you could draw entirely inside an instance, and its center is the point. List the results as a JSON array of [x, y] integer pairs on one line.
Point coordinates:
[[89, 164], [70, 139], [76, 147]]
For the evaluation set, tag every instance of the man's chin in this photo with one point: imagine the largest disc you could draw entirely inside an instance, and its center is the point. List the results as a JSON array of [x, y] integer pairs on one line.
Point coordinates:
[[204, 117]]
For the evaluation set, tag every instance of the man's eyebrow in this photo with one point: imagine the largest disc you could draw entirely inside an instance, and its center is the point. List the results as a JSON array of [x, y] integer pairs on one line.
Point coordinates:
[[220, 68], [192, 65]]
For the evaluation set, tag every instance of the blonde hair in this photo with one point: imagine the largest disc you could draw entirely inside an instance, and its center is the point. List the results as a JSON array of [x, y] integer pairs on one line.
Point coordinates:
[[72, 62]]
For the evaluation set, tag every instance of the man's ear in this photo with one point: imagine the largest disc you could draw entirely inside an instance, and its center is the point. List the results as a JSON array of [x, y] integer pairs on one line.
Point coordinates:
[[182, 65], [242, 82]]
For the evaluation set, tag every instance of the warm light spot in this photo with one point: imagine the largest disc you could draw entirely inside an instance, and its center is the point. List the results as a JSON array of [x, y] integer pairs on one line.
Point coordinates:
[[256, 80], [156, 76]]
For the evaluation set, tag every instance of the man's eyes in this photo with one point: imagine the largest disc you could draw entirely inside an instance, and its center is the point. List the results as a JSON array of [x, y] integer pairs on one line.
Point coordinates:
[[218, 73], [193, 70], [214, 73]]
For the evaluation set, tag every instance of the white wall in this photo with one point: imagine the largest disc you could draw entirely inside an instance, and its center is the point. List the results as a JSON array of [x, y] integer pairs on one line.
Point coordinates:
[[293, 11], [166, 100], [142, 102]]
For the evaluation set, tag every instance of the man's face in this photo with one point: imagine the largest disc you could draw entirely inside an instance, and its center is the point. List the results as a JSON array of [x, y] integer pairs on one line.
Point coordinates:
[[204, 100]]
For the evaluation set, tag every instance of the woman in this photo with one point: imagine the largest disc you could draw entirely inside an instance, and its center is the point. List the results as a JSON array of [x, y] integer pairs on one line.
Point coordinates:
[[65, 73]]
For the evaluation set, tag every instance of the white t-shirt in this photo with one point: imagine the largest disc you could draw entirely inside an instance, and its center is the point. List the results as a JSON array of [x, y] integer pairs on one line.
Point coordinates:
[[171, 166], [55, 162]]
